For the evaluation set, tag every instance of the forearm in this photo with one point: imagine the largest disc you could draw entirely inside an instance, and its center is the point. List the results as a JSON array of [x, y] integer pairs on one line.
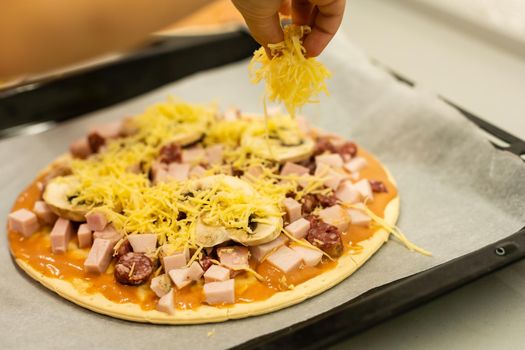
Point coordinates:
[[36, 35]]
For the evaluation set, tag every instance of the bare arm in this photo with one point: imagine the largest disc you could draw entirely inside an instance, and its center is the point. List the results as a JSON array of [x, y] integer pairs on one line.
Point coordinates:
[[37, 35]]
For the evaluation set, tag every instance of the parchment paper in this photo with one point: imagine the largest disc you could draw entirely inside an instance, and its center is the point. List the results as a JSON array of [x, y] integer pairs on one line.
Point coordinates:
[[458, 194]]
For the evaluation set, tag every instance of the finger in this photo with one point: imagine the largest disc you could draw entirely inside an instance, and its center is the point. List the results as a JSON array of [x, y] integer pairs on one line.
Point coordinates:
[[301, 12], [265, 28], [327, 22], [285, 8]]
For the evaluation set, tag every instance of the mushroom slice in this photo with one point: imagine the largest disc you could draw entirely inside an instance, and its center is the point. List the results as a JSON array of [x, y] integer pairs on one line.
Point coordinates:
[[209, 236], [263, 233], [57, 195], [280, 140]]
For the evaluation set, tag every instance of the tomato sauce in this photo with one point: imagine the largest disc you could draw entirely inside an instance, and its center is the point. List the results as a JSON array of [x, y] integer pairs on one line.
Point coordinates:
[[36, 251]]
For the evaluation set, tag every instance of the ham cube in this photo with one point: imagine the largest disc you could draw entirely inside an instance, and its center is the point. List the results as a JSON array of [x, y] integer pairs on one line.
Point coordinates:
[[311, 257], [298, 228], [220, 292], [44, 213], [305, 180], [177, 260], [336, 216], [364, 188], [216, 273], [99, 256], [302, 124], [347, 193], [235, 257], [285, 259], [259, 252], [231, 114], [108, 233], [355, 164], [159, 172], [290, 168], [214, 154], [358, 217], [80, 148], [109, 130], [60, 235], [180, 277], [160, 285], [178, 171], [23, 221], [195, 271], [143, 243], [193, 155], [85, 236], [166, 303], [332, 160], [332, 177], [96, 221], [197, 172], [255, 171], [293, 209]]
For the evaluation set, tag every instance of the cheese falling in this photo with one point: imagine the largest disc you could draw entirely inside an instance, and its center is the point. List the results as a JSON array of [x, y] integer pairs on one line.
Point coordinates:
[[290, 77]]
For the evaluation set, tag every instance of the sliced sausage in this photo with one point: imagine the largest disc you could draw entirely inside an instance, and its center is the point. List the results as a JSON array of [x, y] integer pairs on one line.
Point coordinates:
[[170, 153], [96, 141], [324, 236], [124, 248], [378, 186], [133, 269], [347, 150]]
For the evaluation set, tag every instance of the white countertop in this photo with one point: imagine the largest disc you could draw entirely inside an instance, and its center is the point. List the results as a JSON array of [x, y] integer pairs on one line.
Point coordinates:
[[488, 79]]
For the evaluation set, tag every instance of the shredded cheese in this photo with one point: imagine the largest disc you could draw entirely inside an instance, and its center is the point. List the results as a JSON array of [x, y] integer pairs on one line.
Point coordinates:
[[291, 77]]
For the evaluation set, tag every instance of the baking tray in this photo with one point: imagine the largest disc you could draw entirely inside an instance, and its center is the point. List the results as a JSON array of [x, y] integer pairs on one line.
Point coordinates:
[[164, 61]]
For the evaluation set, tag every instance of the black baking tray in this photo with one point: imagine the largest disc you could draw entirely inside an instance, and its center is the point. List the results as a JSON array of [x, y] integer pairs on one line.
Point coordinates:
[[168, 59]]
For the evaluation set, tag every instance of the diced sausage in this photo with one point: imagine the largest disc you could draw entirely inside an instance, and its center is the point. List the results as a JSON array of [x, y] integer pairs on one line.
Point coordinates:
[[176, 260], [378, 186], [160, 285], [216, 273], [364, 188], [23, 221], [133, 269], [259, 252], [234, 257], [80, 148], [180, 277], [84, 236], [44, 213], [220, 292], [358, 217], [206, 262], [60, 235], [322, 145], [285, 259], [298, 228], [333, 160], [195, 271], [293, 209], [166, 303], [170, 153], [193, 155], [179, 171], [347, 193], [324, 236], [311, 257], [355, 164], [214, 154], [96, 220], [143, 243], [290, 168], [99, 255], [312, 201]]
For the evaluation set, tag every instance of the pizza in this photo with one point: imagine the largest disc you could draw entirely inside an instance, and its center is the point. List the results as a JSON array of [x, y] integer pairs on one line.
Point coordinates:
[[186, 214]]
